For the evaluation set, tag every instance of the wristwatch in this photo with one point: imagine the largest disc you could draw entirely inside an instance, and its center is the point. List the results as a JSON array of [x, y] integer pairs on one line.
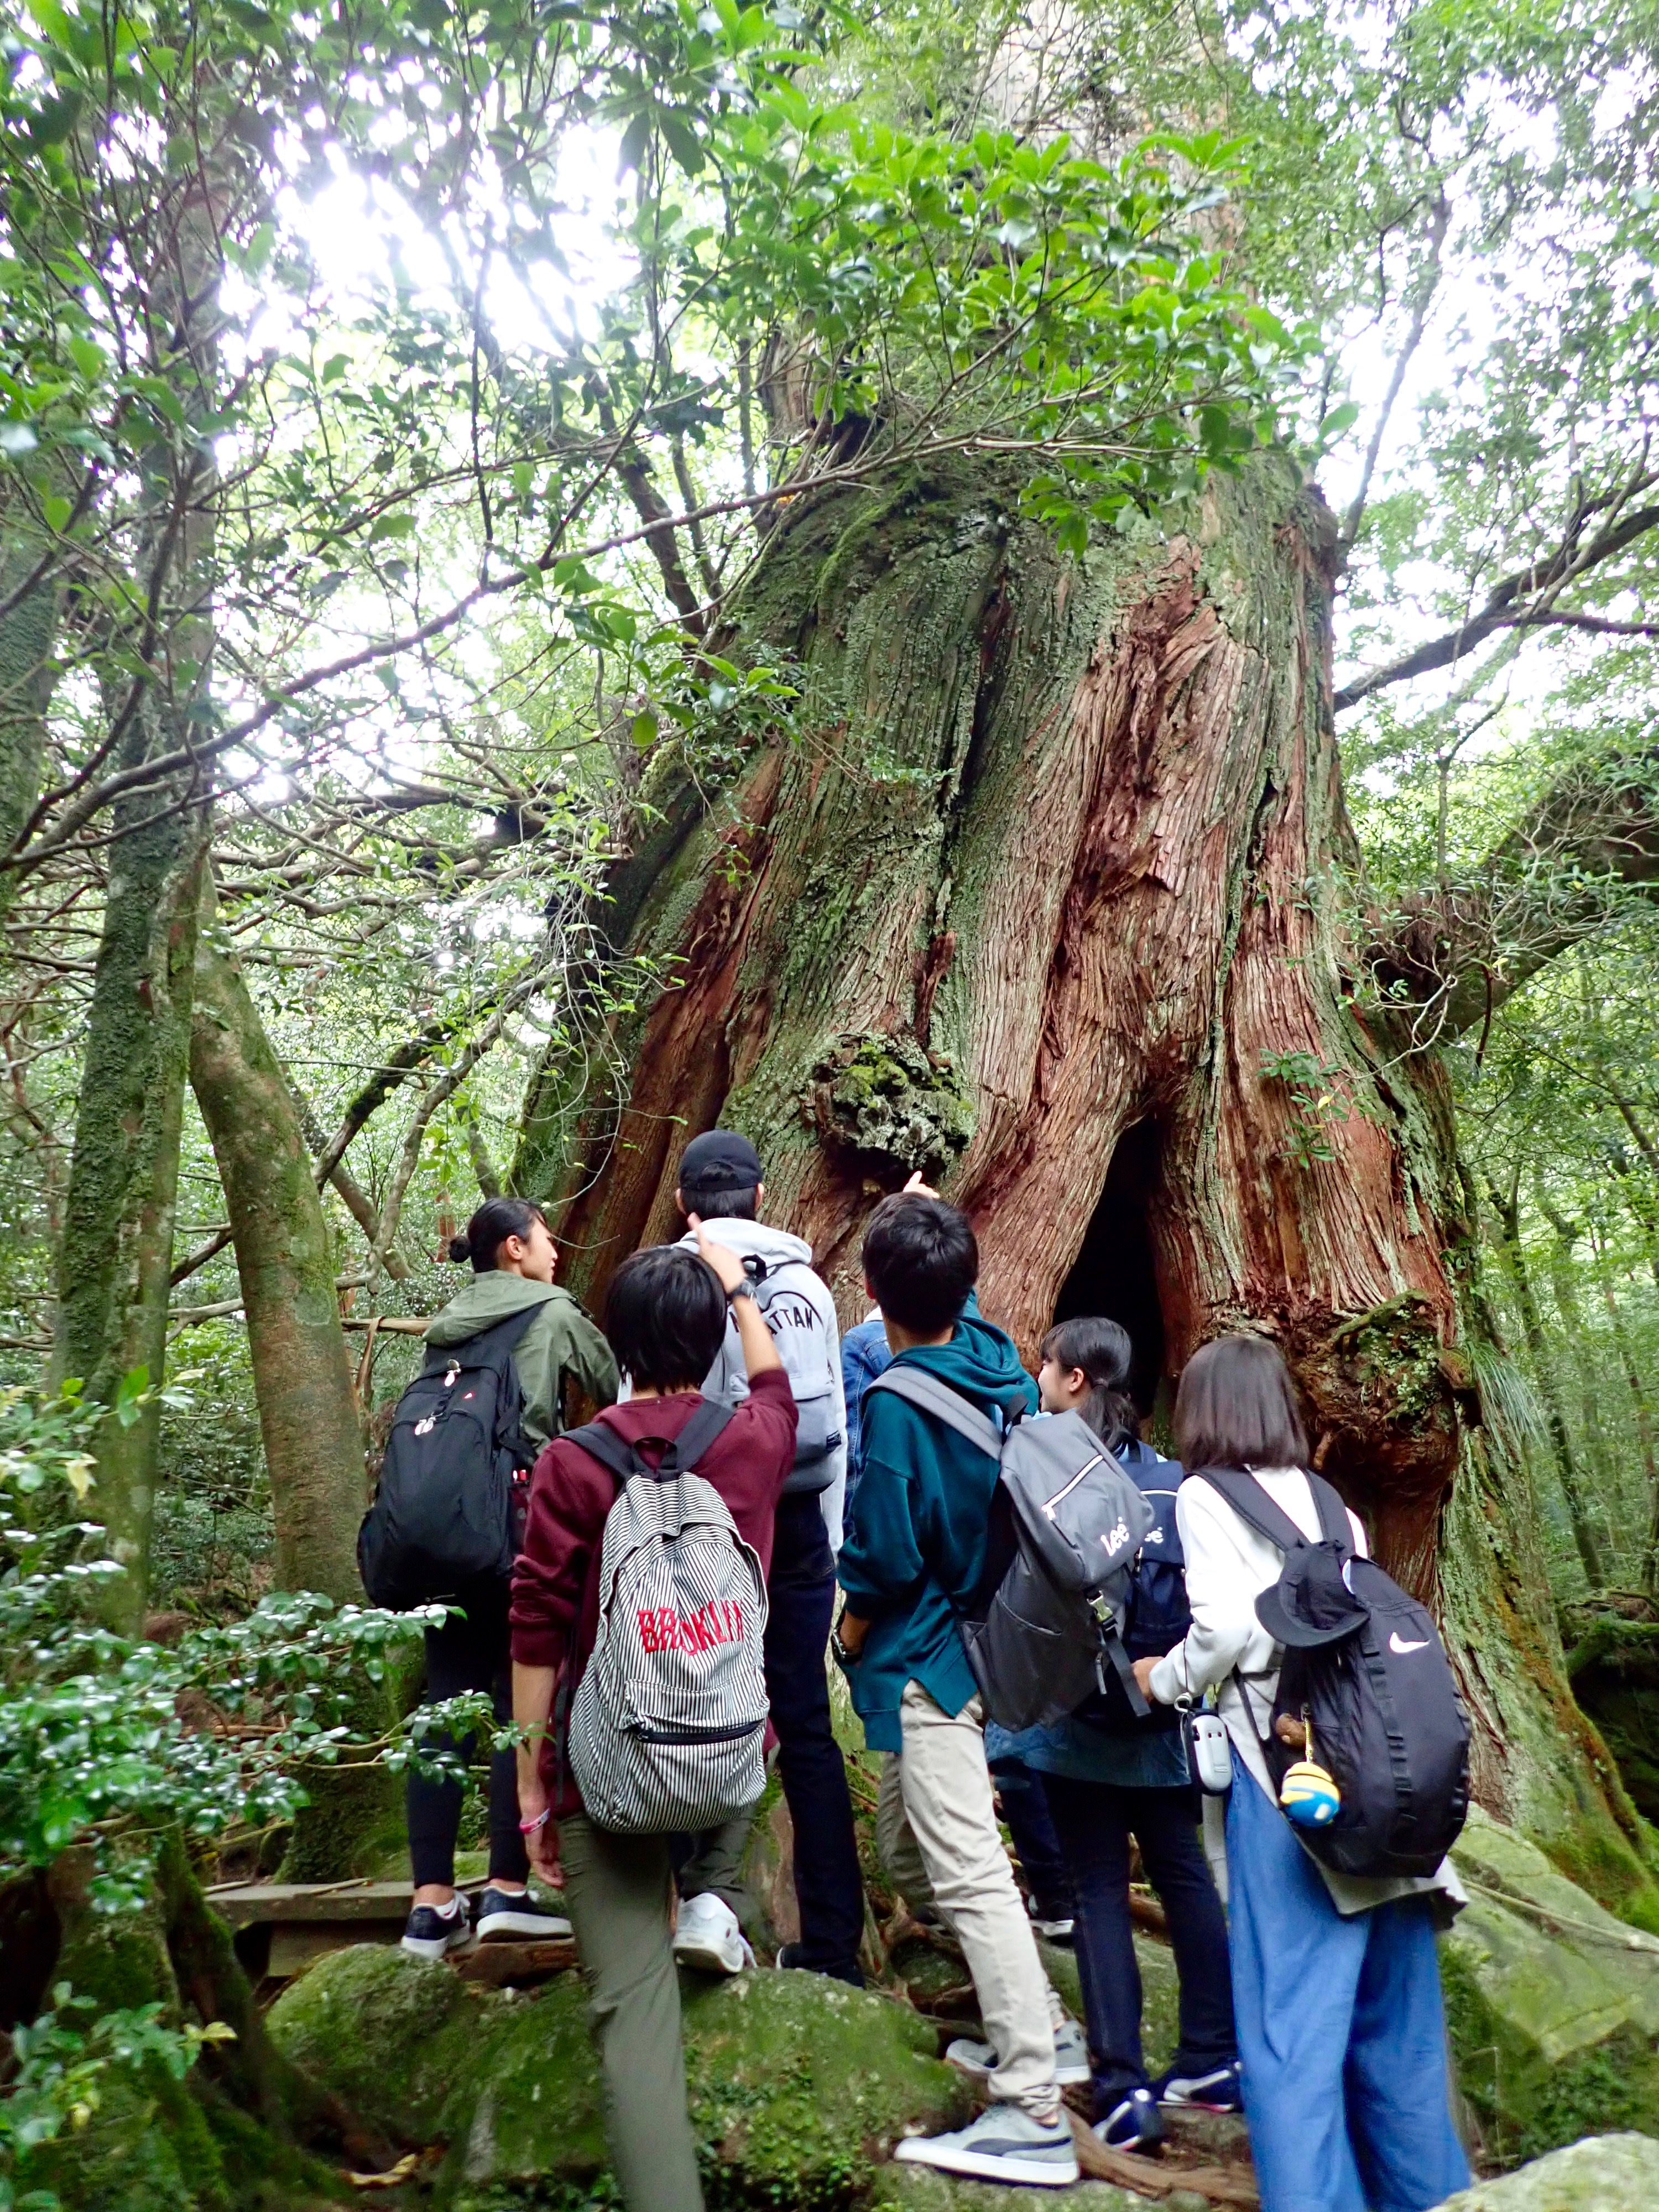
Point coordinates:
[[745, 1289]]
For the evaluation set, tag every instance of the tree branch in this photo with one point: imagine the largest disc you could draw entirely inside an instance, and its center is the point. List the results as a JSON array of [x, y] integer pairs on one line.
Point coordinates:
[[1504, 609]]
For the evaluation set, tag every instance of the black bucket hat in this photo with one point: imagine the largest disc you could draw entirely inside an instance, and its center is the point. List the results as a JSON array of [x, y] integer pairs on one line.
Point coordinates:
[[1312, 1604]]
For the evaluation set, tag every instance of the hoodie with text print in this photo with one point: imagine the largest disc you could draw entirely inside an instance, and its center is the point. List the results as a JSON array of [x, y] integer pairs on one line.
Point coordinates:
[[800, 1315]]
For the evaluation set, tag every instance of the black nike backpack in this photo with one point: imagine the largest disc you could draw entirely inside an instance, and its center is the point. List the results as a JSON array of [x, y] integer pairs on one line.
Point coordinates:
[[1389, 1725], [447, 1514]]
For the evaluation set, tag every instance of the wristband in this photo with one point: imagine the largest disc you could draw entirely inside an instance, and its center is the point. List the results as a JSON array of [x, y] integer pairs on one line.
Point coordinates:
[[528, 1827]]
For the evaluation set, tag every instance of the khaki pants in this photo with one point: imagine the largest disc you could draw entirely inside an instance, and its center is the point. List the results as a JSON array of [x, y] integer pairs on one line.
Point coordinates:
[[938, 1835], [619, 1891]]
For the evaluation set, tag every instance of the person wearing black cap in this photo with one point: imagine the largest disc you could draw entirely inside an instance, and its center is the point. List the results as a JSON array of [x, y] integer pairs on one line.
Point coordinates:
[[722, 1185], [1336, 1981]]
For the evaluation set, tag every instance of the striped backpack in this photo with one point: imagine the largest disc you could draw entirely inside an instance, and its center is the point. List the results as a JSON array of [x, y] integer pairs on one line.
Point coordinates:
[[668, 1723]]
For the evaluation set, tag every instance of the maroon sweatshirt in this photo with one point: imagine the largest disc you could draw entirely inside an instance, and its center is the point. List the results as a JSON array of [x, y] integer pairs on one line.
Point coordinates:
[[555, 1579]]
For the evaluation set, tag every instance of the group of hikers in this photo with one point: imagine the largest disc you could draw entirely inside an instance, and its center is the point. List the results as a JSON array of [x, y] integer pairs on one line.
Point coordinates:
[[747, 1463]]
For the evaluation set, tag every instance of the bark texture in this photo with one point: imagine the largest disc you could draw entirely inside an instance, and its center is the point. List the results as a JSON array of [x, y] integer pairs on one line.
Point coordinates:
[[1052, 896], [308, 1414]]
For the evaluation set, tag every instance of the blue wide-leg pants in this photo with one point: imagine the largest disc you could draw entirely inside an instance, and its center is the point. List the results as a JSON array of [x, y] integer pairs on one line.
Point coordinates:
[[1341, 2031]]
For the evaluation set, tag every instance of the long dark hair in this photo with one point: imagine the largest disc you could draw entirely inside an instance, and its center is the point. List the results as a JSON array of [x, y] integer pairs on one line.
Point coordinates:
[[1103, 1350], [1236, 1408], [496, 1220]]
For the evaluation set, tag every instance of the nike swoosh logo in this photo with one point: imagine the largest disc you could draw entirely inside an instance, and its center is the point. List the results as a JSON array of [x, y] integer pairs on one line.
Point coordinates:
[[1396, 1644]]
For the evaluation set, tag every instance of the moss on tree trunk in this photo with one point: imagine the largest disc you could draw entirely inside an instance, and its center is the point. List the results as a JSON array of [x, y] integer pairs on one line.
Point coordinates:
[[302, 1380], [1059, 858]]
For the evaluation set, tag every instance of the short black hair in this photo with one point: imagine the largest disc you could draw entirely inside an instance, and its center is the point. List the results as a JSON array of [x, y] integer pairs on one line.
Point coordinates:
[[664, 1315], [712, 1201], [496, 1220], [921, 1261], [1236, 1408]]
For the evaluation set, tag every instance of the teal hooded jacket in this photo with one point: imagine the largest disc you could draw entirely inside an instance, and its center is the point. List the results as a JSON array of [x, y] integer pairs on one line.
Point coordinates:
[[914, 1555]]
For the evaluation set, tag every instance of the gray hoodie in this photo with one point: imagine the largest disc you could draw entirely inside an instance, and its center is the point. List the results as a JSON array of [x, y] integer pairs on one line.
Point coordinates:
[[798, 1311], [560, 1340]]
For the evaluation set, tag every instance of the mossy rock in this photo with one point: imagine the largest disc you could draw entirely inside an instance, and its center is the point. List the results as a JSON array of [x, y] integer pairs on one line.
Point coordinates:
[[799, 2085], [914, 2189], [1614, 1669], [1160, 1995], [1552, 2003], [1605, 2173]]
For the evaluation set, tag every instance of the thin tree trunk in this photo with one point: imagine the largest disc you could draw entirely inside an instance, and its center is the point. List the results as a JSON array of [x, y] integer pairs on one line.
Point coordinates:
[[27, 678], [308, 1415], [1056, 857], [116, 1253], [1508, 1211], [1642, 1409], [1603, 1453]]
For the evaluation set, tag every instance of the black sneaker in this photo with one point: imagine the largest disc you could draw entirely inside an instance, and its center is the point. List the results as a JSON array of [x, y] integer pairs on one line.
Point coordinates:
[[1134, 2124], [1217, 2090], [515, 1913], [430, 1934]]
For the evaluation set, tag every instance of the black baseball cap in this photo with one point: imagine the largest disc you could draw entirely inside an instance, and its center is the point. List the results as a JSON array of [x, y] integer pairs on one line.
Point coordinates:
[[1312, 1604], [722, 1160]]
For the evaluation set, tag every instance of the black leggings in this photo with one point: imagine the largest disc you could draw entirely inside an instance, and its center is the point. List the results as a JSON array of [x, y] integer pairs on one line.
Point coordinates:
[[1095, 1820], [469, 1654]]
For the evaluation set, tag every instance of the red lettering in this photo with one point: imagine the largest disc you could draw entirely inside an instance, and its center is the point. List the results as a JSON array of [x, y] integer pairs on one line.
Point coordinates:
[[737, 1622], [648, 1631]]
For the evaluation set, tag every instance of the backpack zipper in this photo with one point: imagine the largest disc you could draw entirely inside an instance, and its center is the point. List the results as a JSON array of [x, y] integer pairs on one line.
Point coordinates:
[[1061, 1495]]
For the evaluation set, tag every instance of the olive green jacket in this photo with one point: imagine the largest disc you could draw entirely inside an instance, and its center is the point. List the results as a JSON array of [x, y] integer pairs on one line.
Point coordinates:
[[560, 1340]]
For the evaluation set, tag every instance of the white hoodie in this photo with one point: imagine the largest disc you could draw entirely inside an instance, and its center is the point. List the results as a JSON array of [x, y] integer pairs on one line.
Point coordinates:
[[799, 1312]]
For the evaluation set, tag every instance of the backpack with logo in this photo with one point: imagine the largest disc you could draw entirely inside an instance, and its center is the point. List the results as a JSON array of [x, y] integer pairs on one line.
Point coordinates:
[[448, 1509], [1066, 1523], [668, 1722], [1156, 1614], [1378, 1694], [797, 1330]]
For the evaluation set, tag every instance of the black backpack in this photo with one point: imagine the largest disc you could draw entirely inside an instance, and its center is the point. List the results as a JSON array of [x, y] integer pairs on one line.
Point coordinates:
[[446, 1512], [1389, 1725], [1156, 1616]]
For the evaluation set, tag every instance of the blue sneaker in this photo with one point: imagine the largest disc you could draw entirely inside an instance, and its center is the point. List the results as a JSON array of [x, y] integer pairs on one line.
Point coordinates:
[[1134, 2124], [1219, 2090], [515, 1913], [431, 1933]]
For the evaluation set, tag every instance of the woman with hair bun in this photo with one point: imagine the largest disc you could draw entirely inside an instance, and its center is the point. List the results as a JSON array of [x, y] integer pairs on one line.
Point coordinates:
[[513, 1258]]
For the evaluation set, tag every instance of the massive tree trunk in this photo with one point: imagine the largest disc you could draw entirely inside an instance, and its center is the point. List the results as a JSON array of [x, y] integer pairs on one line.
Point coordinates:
[[308, 1415], [1051, 897]]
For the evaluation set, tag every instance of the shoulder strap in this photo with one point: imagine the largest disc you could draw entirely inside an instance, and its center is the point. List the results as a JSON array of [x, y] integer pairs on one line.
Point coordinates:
[[1253, 1505], [1333, 1514], [600, 1441], [483, 1349], [926, 1391], [696, 1437]]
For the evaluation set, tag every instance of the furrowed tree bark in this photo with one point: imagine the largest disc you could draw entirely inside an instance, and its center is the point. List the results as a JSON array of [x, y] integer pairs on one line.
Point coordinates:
[[1052, 897], [302, 1377]]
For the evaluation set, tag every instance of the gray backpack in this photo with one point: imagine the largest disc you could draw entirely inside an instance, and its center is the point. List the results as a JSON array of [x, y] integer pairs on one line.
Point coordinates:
[[811, 1360], [668, 1723], [1067, 1524]]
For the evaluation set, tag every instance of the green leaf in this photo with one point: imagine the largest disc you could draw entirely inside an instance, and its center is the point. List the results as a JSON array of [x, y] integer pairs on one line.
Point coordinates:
[[644, 730]]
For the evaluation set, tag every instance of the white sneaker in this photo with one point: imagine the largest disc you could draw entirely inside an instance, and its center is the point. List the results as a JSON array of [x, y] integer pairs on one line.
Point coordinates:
[[707, 1936], [1003, 2144], [1071, 2057]]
